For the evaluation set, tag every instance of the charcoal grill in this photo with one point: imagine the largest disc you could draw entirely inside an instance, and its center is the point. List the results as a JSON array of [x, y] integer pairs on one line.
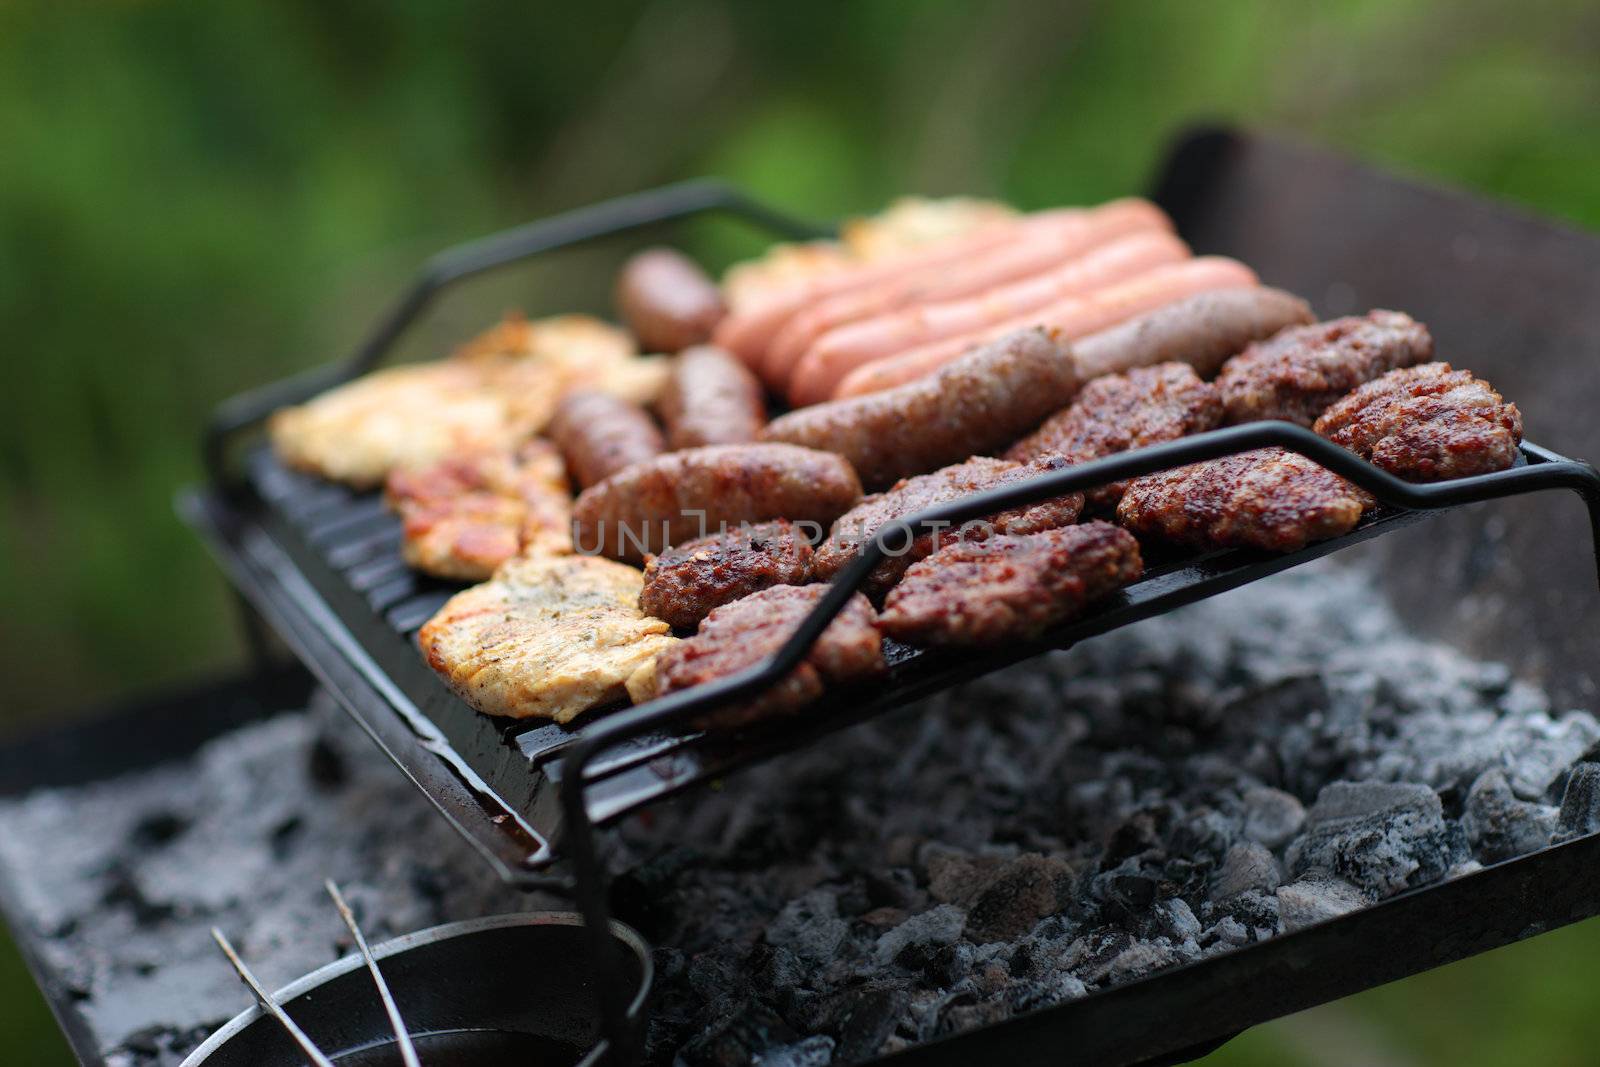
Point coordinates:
[[322, 565]]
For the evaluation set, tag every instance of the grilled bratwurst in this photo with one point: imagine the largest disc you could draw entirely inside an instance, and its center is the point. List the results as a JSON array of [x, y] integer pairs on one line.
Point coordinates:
[[1297, 373], [1427, 424], [978, 404], [1119, 412], [683, 495], [741, 634], [1009, 588], [1202, 331], [1270, 498], [685, 582]]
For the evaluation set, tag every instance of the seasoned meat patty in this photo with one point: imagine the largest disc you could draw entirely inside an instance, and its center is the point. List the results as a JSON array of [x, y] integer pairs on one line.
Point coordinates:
[[1427, 424], [741, 634], [1119, 412], [547, 637], [860, 524], [470, 512], [684, 583], [1270, 498], [683, 495], [1296, 373], [1010, 587]]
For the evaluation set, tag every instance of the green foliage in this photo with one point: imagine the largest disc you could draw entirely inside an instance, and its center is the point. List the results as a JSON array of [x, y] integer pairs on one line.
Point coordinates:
[[197, 197]]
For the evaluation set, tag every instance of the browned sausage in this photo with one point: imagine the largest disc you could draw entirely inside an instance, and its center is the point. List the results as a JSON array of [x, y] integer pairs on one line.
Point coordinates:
[[711, 398], [683, 495], [1074, 317], [981, 402], [667, 300], [599, 434], [1202, 331]]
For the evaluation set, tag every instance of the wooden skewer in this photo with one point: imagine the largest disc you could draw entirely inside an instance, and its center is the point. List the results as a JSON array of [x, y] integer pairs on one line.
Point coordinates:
[[408, 1051], [269, 1005]]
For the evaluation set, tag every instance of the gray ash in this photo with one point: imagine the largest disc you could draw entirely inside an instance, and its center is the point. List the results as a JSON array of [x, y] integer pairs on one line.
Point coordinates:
[[122, 880], [1258, 763]]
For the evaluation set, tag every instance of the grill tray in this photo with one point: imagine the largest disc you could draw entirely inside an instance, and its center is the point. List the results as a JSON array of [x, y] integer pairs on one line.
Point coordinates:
[[319, 564]]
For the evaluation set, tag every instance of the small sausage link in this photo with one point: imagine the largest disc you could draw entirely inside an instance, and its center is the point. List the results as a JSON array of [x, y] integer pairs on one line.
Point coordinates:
[[599, 434], [711, 398], [667, 300]]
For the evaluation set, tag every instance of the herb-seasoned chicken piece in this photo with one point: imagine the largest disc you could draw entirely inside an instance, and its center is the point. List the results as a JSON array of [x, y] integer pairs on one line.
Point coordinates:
[[1269, 498], [1427, 424], [547, 637], [495, 392], [410, 416], [1296, 373], [741, 634], [1010, 587], [684, 583], [470, 512], [1119, 412], [856, 527]]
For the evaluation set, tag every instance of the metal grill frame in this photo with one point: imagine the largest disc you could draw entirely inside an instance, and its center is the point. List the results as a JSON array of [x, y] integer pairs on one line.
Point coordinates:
[[225, 517]]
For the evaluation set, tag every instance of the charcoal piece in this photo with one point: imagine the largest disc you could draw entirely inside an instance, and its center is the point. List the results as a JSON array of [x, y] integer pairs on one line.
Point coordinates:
[[1383, 837], [738, 1038], [862, 1018], [814, 1051], [1136, 959], [954, 878], [1499, 826], [810, 927], [932, 929], [1175, 920], [1543, 757], [1315, 899], [948, 965], [1026, 890], [1272, 817], [1580, 806], [968, 1016], [1246, 866]]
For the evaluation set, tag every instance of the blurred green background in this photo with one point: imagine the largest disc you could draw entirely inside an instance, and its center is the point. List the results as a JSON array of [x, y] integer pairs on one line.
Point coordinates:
[[195, 198]]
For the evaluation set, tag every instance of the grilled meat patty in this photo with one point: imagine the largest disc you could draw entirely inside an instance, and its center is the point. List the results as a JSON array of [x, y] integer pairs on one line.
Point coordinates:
[[547, 637], [467, 514], [746, 631], [685, 582], [1427, 424], [1269, 498], [683, 495], [1119, 412], [1298, 372], [860, 524], [1010, 587]]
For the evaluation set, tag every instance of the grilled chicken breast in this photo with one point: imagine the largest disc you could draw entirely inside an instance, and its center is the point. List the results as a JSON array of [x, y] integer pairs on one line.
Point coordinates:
[[470, 512], [547, 637]]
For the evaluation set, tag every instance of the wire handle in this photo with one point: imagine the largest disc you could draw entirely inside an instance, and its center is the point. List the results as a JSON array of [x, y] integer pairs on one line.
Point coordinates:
[[608, 218]]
